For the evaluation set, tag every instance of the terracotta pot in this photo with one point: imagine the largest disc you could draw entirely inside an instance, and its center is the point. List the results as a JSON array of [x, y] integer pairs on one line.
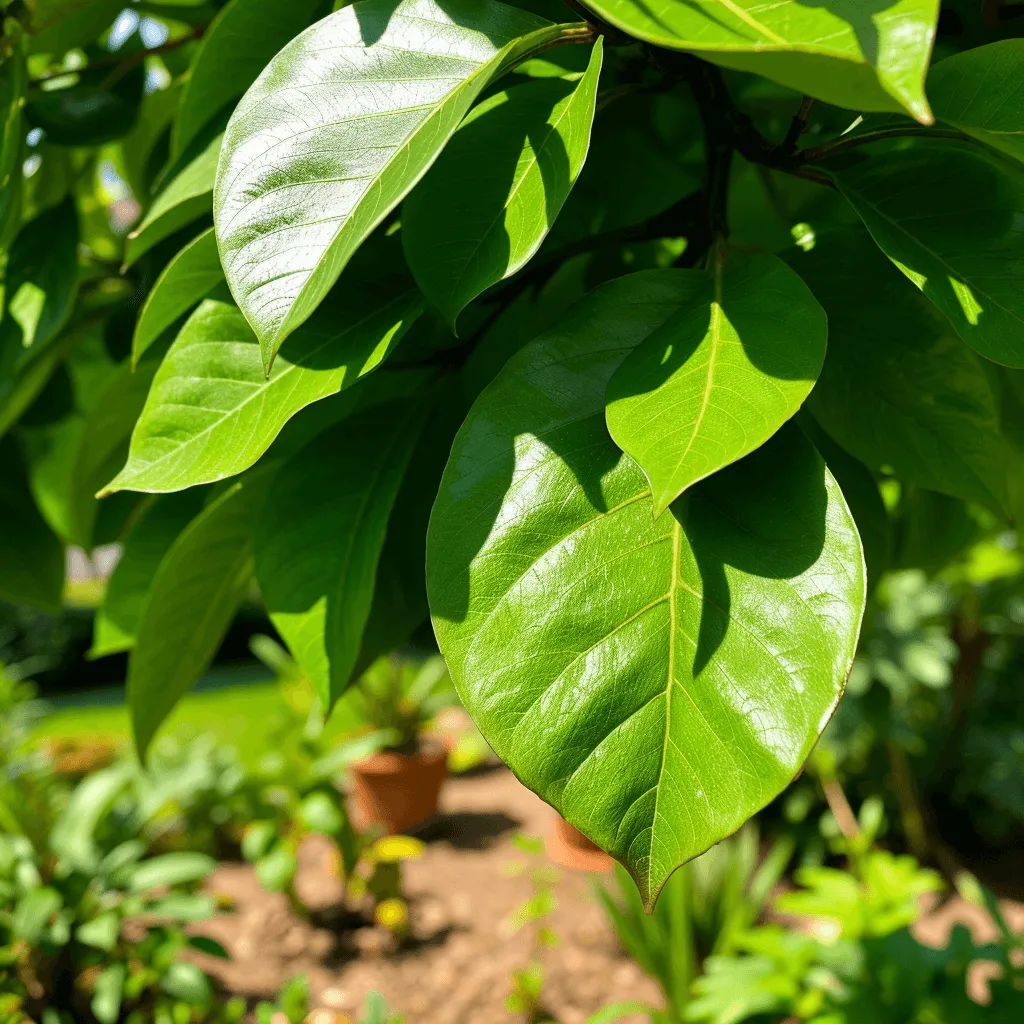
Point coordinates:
[[569, 847], [398, 791]]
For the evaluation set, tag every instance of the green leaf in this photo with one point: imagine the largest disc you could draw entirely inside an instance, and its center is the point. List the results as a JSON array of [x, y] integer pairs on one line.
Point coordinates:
[[101, 932], [185, 281], [103, 444], [149, 538], [108, 993], [862, 56], [13, 84], [899, 391], [170, 869], [981, 92], [61, 25], [320, 812], [235, 48], [187, 982], [212, 412], [257, 839], [31, 555], [42, 276], [73, 836], [187, 196], [276, 869], [718, 378], [319, 538], [196, 591], [947, 215], [84, 114], [31, 914], [334, 133], [486, 205], [657, 681], [183, 907]]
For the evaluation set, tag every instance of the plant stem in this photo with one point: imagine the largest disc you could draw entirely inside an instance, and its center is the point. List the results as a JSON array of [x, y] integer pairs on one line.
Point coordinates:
[[850, 141], [841, 809], [798, 125]]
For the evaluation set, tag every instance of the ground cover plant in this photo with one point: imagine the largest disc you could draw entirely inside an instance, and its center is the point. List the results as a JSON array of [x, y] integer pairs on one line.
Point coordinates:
[[628, 344]]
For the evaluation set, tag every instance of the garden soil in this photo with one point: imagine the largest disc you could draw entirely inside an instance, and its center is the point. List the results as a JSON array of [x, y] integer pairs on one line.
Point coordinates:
[[456, 967]]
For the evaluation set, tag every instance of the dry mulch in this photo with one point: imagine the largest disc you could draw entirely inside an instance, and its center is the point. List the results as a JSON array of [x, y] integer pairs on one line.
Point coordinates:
[[463, 949]]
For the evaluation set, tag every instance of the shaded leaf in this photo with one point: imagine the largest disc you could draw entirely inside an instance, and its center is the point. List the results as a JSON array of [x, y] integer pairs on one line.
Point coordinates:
[[948, 216], [319, 538], [148, 539], [862, 56], [981, 92], [899, 391], [606, 655], [235, 48], [196, 591], [61, 25], [170, 869], [185, 281], [187, 196], [31, 555], [719, 377], [486, 205], [337, 129]]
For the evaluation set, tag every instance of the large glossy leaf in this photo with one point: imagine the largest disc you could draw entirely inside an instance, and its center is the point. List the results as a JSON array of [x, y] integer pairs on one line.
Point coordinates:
[[31, 556], [186, 280], [212, 411], [656, 680], [337, 129], [948, 216], [234, 50], [150, 537], [42, 275], [899, 390], [187, 196], [486, 205], [320, 534], [718, 378], [860, 55], [981, 91], [197, 589]]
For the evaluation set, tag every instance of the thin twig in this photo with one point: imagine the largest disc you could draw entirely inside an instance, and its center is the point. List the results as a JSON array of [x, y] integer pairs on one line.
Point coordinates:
[[841, 809], [822, 152], [798, 125]]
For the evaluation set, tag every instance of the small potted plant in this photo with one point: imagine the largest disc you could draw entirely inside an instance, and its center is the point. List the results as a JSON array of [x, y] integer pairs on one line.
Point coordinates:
[[398, 786]]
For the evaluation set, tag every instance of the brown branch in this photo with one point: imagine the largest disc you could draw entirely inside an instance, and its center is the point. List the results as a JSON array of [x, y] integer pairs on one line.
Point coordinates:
[[841, 809]]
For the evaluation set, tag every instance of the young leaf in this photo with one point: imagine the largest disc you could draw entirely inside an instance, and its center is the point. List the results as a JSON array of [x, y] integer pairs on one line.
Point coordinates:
[[42, 275], [846, 52], [212, 412], [149, 538], [484, 208], [656, 680], [947, 215], [334, 133], [187, 196], [196, 591], [31, 556], [319, 538], [186, 280], [235, 48], [899, 391], [981, 91], [717, 379]]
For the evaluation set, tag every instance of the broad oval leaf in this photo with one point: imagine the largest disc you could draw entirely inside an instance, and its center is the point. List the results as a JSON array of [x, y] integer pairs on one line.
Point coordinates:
[[899, 390], [235, 48], [981, 91], [186, 197], [862, 56], [320, 534], [149, 538], [197, 589], [948, 215], [185, 281], [656, 680], [334, 133], [485, 207], [718, 378], [212, 412]]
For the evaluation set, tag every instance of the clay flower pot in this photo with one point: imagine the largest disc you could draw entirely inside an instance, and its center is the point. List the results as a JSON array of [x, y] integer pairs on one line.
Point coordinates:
[[570, 848], [397, 791]]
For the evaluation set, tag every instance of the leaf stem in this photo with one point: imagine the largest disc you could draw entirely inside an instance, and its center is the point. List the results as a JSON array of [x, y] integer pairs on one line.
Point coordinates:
[[822, 152]]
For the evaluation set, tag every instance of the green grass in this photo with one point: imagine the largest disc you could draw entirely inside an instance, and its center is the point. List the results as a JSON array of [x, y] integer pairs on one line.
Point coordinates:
[[242, 708]]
